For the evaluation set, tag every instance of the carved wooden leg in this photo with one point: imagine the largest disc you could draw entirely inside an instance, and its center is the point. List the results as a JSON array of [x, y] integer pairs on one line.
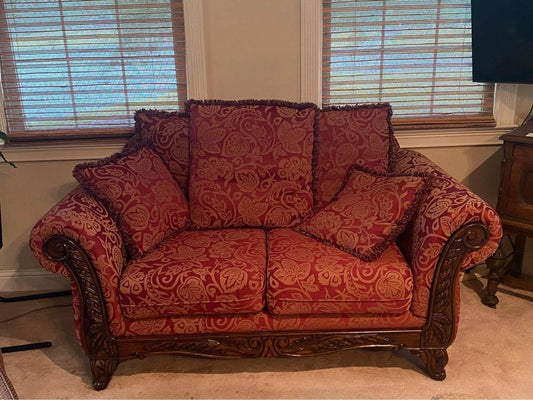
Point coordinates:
[[496, 265], [102, 371], [435, 360]]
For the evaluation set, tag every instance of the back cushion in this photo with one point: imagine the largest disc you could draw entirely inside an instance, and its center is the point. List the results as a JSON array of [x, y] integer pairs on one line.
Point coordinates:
[[358, 135], [167, 133], [251, 163]]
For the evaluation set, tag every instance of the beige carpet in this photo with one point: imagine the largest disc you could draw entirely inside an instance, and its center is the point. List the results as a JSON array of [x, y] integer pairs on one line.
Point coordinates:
[[492, 357]]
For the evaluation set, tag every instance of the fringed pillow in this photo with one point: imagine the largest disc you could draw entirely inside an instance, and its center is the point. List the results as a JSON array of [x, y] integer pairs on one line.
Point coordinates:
[[140, 193], [368, 214]]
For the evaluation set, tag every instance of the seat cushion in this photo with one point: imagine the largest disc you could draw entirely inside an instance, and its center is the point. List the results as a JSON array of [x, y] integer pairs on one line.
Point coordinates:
[[251, 163], [351, 135], [197, 272], [306, 276], [140, 193]]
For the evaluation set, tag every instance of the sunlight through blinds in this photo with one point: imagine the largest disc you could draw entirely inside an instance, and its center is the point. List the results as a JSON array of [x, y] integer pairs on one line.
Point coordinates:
[[414, 54], [83, 67]]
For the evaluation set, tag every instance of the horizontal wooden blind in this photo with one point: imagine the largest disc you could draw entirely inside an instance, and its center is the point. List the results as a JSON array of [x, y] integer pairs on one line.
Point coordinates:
[[414, 54], [83, 67]]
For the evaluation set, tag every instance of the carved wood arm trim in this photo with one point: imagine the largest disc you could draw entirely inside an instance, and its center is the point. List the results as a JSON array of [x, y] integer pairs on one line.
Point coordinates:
[[439, 330], [97, 340]]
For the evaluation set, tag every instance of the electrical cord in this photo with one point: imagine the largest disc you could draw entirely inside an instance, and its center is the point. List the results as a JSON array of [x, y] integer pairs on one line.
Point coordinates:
[[32, 311]]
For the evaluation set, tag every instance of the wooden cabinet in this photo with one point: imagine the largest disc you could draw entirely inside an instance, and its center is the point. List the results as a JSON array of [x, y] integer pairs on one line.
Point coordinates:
[[515, 203]]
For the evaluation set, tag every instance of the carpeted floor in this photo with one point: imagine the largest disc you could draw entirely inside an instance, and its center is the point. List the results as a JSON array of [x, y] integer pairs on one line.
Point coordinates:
[[491, 358]]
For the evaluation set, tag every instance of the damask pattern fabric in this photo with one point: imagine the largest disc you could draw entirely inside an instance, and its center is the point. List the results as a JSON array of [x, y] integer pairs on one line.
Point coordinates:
[[265, 322], [251, 163], [368, 213], [353, 135], [198, 272], [83, 219], [446, 206], [140, 194], [167, 133], [308, 277]]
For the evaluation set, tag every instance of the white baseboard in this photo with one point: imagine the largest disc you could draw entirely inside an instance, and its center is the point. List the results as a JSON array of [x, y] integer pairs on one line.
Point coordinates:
[[31, 280]]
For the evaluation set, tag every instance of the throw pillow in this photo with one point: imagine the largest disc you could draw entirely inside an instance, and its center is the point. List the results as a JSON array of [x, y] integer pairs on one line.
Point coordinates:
[[167, 133], [140, 193], [351, 135], [251, 163], [368, 214]]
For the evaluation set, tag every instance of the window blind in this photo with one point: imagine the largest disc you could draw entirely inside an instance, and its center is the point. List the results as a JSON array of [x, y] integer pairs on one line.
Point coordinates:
[[414, 54], [83, 67]]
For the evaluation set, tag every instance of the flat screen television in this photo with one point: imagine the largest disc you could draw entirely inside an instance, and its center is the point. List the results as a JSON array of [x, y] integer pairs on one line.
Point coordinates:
[[502, 41]]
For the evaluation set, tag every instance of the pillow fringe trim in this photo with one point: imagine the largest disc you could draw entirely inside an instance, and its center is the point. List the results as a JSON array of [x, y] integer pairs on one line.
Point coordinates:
[[250, 102]]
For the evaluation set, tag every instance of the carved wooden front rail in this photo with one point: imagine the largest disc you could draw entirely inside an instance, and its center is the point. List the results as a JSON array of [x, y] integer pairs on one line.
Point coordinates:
[[105, 352]]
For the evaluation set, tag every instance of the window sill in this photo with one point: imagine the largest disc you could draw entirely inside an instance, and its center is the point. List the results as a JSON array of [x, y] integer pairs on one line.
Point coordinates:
[[97, 149], [434, 138], [75, 150]]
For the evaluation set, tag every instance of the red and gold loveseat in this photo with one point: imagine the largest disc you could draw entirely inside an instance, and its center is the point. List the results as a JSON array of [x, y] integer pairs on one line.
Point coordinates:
[[264, 228]]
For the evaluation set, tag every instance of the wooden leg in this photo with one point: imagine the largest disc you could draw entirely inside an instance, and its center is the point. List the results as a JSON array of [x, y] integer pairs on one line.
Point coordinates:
[[102, 372], [435, 361], [496, 265]]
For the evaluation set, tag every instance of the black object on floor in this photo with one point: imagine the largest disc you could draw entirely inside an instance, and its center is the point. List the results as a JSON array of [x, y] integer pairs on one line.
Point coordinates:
[[31, 346]]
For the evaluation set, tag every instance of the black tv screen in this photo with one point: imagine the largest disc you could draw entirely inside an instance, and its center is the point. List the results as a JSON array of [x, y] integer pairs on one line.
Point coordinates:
[[502, 41]]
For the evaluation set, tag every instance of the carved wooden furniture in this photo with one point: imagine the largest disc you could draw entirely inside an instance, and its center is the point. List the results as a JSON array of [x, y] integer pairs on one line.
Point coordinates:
[[429, 342], [515, 204], [450, 230]]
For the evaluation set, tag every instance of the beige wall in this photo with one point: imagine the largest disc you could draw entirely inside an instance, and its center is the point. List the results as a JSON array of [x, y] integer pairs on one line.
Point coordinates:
[[26, 193], [252, 51]]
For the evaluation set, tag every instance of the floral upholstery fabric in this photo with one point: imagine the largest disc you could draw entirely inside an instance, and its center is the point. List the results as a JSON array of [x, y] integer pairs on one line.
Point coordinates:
[[198, 272], [266, 322], [446, 206], [251, 163], [354, 135], [368, 214], [167, 133], [80, 217], [308, 277], [140, 193]]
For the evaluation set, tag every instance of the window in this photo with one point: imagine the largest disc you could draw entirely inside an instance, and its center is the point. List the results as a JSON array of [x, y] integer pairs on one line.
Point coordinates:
[[81, 68], [413, 54]]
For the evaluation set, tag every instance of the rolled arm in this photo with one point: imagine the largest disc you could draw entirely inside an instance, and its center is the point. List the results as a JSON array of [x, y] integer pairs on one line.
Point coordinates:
[[448, 206], [82, 219]]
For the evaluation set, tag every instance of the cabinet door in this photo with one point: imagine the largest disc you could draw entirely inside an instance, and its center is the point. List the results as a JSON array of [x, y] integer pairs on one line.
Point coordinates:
[[516, 197]]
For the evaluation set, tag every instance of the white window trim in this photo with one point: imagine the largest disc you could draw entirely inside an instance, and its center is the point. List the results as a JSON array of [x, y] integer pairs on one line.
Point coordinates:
[[505, 96], [92, 150], [3, 121], [195, 51], [311, 27]]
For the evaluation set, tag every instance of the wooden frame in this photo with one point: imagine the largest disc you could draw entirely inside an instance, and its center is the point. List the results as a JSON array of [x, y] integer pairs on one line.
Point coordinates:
[[429, 343]]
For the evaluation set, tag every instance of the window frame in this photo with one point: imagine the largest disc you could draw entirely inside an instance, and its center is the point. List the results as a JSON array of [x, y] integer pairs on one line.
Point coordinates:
[[69, 149], [196, 83], [505, 95]]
